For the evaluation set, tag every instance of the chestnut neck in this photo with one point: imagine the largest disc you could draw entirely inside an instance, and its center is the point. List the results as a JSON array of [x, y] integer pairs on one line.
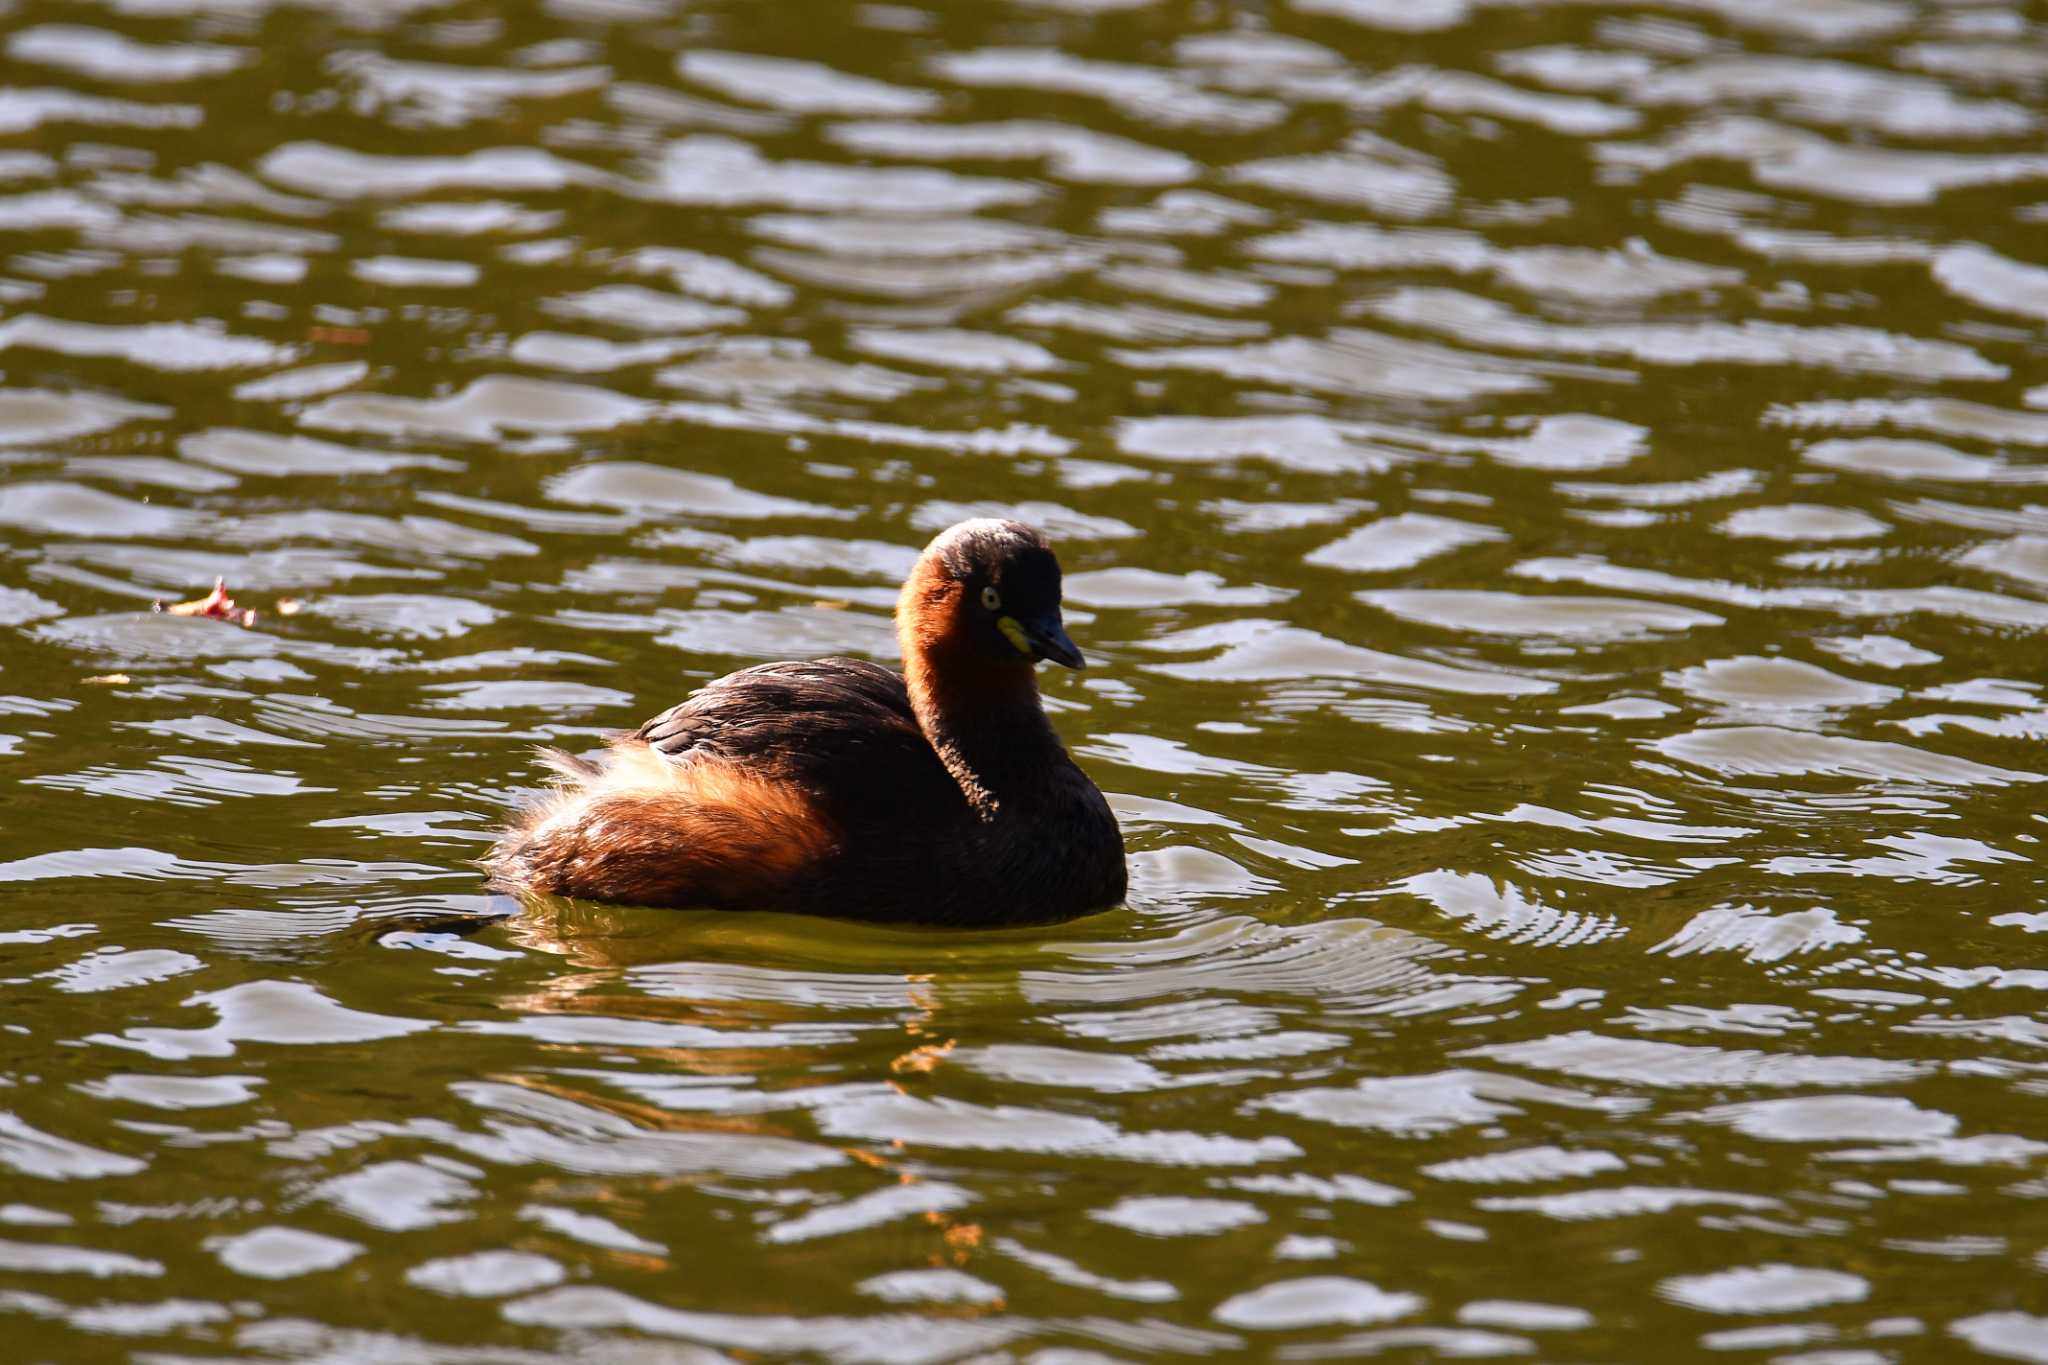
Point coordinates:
[[980, 711]]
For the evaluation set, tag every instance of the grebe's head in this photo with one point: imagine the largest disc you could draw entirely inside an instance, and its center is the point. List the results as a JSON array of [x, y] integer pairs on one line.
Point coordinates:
[[990, 586]]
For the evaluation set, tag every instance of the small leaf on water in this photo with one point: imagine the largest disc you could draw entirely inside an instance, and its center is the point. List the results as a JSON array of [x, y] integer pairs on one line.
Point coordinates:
[[216, 604]]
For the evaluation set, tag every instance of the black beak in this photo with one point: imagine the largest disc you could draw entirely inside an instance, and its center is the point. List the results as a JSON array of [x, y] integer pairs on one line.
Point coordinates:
[[1049, 641]]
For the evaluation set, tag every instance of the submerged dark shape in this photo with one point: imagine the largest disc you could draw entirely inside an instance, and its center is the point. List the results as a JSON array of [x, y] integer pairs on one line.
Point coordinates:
[[836, 787]]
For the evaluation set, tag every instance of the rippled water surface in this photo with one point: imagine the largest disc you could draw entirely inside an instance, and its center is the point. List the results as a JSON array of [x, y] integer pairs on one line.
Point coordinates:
[[1557, 495]]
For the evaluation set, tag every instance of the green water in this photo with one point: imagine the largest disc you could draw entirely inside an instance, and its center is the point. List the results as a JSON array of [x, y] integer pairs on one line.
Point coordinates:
[[1553, 495]]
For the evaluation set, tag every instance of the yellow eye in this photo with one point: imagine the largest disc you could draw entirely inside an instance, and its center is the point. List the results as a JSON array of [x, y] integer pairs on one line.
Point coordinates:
[[991, 599]]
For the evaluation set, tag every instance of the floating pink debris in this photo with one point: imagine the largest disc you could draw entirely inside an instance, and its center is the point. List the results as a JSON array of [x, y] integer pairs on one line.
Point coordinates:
[[216, 604]]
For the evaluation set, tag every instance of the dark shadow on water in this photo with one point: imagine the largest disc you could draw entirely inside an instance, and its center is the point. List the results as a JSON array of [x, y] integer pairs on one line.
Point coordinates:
[[595, 934]]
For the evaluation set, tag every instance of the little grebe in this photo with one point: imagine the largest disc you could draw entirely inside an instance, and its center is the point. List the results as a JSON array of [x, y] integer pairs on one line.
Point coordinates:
[[838, 788]]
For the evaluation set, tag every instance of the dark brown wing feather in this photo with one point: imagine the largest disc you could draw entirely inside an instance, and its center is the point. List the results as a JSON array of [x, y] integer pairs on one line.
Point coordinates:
[[841, 729]]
